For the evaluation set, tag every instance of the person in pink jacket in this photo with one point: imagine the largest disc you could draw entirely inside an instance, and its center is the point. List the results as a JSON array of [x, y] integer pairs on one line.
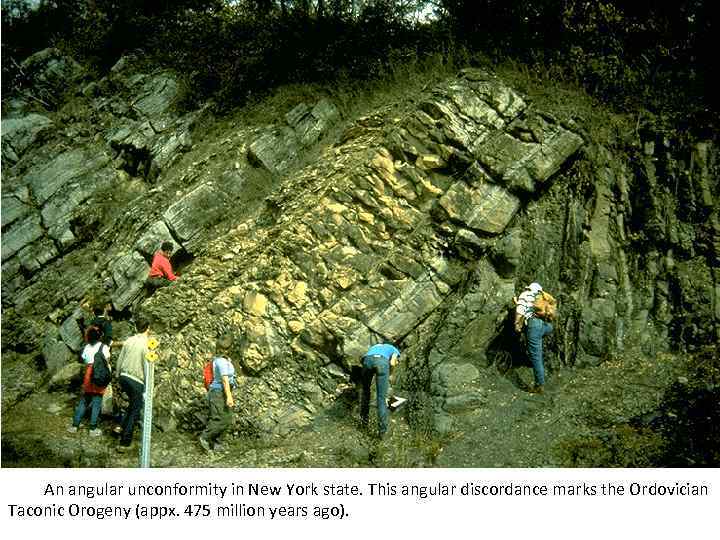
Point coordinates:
[[161, 271]]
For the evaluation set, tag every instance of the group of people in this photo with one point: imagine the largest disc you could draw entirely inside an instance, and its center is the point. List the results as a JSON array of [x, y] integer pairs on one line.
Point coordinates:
[[129, 373], [130, 368], [377, 363]]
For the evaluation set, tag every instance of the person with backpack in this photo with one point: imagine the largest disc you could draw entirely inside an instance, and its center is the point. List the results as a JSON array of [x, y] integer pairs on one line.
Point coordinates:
[[96, 356], [161, 271], [219, 396], [377, 362], [131, 368], [533, 309]]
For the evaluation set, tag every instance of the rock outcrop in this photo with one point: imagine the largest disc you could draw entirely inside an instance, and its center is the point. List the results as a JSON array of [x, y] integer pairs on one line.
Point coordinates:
[[415, 226]]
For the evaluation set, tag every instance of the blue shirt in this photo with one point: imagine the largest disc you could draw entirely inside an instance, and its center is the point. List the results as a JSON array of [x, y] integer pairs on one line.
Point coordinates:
[[382, 349], [222, 367]]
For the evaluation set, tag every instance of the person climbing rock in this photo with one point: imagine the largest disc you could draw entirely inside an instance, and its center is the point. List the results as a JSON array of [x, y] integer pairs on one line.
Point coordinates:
[[161, 271], [219, 397], [377, 362], [92, 395], [528, 317], [130, 371]]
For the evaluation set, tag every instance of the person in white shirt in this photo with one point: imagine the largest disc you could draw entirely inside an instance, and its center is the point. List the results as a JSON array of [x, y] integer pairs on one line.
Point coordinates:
[[535, 330]]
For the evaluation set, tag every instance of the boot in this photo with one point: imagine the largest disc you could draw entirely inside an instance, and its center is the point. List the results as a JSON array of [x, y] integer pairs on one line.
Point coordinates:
[[537, 389]]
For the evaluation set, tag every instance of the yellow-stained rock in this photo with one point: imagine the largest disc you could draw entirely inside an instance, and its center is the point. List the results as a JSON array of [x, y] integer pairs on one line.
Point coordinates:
[[255, 303], [296, 326], [430, 162], [255, 328], [253, 358], [298, 295]]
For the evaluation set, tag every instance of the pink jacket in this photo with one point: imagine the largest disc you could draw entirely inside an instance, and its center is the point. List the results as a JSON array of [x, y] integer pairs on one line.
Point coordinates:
[[161, 267]]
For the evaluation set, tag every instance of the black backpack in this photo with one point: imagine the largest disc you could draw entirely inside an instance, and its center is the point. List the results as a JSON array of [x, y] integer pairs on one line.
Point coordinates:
[[101, 375]]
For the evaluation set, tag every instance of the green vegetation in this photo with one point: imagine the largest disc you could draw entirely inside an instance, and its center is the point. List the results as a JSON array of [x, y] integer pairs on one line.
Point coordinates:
[[630, 54]]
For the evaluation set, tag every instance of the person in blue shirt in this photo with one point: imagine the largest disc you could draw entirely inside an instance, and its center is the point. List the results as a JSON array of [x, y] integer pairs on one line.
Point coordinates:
[[220, 398], [377, 362]]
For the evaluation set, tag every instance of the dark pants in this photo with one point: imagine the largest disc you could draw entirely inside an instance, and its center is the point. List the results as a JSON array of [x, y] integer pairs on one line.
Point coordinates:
[[157, 282], [379, 366], [219, 416], [135, 393]]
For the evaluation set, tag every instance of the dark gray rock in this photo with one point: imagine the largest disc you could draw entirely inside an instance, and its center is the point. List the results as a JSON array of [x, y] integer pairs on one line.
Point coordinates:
[[153, 238], [415, 302], [311, 123], [78, 167], [50, 73], [522, 165], [156, 95], [36, 255], [68, 377], [507, 253], [475, 319], [463, 402], [13, 209], [20, 133], [21, 234], [70, 331], [56, 354], [454, 379], [494, 92], [597, 328], [275, 150], [470, 245], [278, 147], [195, 213], [129, 274]]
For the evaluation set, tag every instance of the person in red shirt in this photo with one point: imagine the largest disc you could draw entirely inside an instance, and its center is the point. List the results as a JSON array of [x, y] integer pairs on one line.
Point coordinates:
[[92, 395], [161, 272]]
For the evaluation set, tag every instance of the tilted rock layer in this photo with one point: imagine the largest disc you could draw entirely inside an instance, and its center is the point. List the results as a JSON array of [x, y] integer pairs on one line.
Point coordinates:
[[312, 238]]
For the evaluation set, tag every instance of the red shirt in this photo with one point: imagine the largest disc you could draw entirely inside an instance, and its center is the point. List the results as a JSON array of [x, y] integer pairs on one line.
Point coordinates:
[[161, 267]]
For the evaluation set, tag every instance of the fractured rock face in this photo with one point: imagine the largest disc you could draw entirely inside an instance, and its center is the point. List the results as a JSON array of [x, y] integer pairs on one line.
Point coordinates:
[[20, 133], [413, 304], [275, 150], [487, 207], [278, 148], [311, 123], [155, 236], [72, 168], [15, 206], [359, 247], [523, 165], [195, 213], [20, 235], [129, 273]]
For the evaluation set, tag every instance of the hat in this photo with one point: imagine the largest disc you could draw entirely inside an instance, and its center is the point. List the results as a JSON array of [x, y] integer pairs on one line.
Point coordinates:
[[534, 287]]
